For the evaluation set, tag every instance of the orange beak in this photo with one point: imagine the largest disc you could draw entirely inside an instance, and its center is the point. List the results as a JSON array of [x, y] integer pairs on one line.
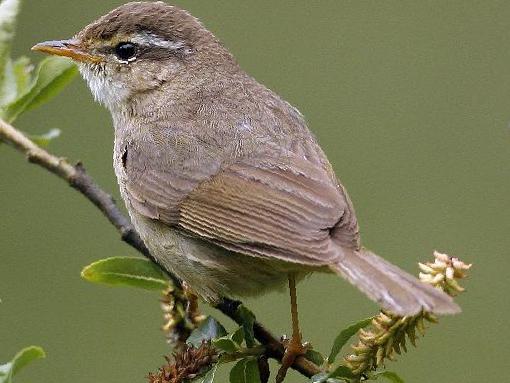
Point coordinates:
[[67, 48]]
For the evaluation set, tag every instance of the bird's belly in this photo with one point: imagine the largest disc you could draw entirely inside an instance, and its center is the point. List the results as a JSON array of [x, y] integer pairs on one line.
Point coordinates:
[[211, 271]]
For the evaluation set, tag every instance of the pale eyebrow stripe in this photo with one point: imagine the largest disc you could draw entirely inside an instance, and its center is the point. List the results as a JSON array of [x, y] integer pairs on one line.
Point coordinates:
[[150, 39]]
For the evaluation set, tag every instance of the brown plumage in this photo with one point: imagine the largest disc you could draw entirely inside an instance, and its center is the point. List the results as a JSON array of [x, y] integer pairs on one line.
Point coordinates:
[[222, 178], [167, 22]]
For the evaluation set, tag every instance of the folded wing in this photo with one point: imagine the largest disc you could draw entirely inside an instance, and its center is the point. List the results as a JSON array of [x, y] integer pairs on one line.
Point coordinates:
[[283, 208]]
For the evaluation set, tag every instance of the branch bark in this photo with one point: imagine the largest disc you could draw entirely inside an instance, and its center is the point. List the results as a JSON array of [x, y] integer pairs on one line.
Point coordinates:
[[77, 178]]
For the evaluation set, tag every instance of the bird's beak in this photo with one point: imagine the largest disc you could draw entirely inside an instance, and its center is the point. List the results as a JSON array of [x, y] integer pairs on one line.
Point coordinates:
[[67, 48]]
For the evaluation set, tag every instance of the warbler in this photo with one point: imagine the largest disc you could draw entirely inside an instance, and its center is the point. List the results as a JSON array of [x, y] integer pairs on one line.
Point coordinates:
[[222, 178]]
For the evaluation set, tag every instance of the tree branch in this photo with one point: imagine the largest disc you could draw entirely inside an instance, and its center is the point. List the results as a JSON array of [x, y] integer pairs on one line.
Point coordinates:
[[77, 178], [274, 347]]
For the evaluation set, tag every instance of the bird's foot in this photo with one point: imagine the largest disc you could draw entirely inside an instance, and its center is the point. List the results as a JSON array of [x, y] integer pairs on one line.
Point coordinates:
[[293, 349]]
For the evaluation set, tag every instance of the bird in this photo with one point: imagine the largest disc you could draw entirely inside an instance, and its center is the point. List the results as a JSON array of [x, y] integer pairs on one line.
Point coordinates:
[[222, 178]]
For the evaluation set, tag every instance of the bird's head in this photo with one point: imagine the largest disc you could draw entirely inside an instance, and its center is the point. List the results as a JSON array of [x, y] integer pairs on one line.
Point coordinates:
[[140, 49]]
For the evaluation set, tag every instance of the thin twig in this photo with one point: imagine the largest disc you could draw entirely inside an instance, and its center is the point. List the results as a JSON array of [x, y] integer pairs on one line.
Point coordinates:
[[77, 177]]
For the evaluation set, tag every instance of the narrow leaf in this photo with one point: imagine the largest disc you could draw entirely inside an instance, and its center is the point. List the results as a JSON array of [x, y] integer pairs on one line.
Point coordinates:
[[248, 319], [26, 356], [315, 356], [22, 70], [44, 140], [230, 342], [126, 271], [209, 329], [237, 372], [8, 11], [8, 88], [341, 372], [16, 81], [20, 360], [225, 344], [390, 375], [53, 74], [238, 336], [245, 371], [6, 373], [251, 371], [344, 337], [208, 377]]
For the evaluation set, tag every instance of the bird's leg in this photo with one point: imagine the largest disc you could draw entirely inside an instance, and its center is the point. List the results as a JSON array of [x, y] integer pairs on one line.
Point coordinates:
[[293, 347]]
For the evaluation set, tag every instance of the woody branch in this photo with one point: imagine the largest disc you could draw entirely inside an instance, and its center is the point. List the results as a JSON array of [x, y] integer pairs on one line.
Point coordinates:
[[77, 178]]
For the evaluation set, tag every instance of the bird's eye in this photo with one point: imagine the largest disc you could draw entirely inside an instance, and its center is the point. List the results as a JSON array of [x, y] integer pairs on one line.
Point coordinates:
[[125, 51]]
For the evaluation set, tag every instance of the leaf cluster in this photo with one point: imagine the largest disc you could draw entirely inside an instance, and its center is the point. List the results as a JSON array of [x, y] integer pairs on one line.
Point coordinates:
[[239, 347], [23, 86]]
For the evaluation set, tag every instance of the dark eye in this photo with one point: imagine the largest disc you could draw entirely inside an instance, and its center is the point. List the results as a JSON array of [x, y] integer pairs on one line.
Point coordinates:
[[125, 51]]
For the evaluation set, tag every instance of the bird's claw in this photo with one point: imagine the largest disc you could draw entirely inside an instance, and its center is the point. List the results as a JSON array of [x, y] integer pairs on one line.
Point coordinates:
[[293, 349]]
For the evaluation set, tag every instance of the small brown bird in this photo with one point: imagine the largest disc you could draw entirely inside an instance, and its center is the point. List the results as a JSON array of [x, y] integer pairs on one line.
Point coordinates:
[[222, 178]]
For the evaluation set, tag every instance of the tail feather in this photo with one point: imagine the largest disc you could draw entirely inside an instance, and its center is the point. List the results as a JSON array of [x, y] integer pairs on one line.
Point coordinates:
[[394, 289]]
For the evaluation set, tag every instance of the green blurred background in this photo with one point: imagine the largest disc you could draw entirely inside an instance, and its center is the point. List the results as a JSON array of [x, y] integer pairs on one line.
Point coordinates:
[[411, 102]]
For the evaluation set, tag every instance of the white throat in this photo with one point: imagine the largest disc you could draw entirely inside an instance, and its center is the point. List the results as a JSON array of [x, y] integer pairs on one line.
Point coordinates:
[[111, 94]]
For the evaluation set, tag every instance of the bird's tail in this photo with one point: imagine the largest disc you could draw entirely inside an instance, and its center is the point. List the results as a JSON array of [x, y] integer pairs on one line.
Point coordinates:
[[394, 289]]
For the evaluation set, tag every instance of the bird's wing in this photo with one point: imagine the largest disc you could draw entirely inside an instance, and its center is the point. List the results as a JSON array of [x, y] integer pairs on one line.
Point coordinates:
[[283, 207]]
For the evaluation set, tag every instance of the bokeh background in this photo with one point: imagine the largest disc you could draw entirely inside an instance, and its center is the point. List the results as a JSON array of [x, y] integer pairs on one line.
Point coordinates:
[[411, 102]]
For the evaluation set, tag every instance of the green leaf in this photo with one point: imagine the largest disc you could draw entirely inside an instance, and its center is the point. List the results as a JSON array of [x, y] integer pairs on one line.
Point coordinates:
[[44, 140], [248, 319], [53, 74], [341, 372], [315, 357], [25, 356], [390, 375], [209, 329], [344, 337], [251, 371], [208, 377], [231, 342], [237, 372], [8, 11], [225, 344], [22, 69], [20, 360], [238, 336], [126, 271], [16, 81], [245, 371], [8, 89]]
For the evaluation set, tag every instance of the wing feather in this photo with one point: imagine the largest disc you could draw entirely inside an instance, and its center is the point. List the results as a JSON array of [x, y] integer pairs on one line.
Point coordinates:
[[284, 207], [268, 210]]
